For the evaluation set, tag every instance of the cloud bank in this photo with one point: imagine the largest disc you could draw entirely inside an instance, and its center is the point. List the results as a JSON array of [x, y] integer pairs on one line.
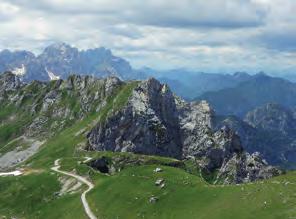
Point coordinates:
[[213, 36]]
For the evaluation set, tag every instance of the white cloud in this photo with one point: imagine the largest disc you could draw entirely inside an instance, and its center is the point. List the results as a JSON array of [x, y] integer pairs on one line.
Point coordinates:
[[7, 11], [215, 35]]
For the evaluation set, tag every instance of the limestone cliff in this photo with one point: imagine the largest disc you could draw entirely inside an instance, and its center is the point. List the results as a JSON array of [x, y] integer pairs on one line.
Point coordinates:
[[155, 121]]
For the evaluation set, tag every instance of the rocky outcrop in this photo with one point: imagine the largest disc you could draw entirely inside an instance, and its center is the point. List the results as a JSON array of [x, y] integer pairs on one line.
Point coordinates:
[[9, 82], [148, 124], [219, 150], [244, 167], [154, 121]]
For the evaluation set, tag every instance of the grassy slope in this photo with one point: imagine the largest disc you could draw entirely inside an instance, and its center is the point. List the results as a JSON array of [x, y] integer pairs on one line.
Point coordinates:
[[32, 196], [13, 128], [126, 194], [65, 143]]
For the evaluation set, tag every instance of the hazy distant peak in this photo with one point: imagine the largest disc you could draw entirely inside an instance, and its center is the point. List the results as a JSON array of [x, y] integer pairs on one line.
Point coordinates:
[[59, 48], [261, 74], [241, 74]]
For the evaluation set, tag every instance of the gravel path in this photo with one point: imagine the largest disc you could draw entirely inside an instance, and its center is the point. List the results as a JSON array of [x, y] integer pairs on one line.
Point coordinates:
[[87, 209]]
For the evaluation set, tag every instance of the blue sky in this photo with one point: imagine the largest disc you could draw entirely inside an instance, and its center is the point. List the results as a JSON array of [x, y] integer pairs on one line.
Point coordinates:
[[212, 35]]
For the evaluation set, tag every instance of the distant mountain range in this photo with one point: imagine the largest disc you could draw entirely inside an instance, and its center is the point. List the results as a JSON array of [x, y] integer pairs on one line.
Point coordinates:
[[269, 129], [190, 84], [60, 60], [260, 89], [234, 94]]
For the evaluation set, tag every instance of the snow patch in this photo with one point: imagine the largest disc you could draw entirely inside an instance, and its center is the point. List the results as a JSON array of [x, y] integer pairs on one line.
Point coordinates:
[[20, 71], [51, 75], [13, 173]]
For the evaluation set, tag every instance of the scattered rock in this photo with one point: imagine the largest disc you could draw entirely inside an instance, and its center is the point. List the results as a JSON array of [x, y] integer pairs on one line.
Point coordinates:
[[157, 170], [69, 185], [153, 199], [158, 182], [14, 157]]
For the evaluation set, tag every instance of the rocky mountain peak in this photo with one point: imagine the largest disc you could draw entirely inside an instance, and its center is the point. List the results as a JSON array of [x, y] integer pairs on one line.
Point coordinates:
[[153, 83], [9, 82], [101, 51], [241, 75], [111, 83], [60, 60], [156, 122], [271, 117], [59, 48], [261, 74], [11, 56], [151, 95], [148, 124]]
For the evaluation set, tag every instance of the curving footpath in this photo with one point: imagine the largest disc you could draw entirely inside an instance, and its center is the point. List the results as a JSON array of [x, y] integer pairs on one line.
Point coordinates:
[[87, 209]]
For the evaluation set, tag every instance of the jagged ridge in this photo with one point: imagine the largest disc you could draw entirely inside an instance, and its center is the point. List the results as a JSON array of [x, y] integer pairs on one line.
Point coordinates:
[[156, 122], [151, 120]]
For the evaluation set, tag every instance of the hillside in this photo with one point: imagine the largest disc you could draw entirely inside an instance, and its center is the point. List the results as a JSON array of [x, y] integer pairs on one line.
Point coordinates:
[[127, 194], [78, 119]]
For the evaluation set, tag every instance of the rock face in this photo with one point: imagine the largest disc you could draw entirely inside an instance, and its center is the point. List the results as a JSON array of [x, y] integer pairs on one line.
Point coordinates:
[[9, 82], [221, 150], [148, 124], [154, 121], [272, 117], [277, 125], [243, 167]]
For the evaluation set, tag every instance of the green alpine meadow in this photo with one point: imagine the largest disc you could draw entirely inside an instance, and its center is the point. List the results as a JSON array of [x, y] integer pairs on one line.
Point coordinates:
[[156, 109]]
